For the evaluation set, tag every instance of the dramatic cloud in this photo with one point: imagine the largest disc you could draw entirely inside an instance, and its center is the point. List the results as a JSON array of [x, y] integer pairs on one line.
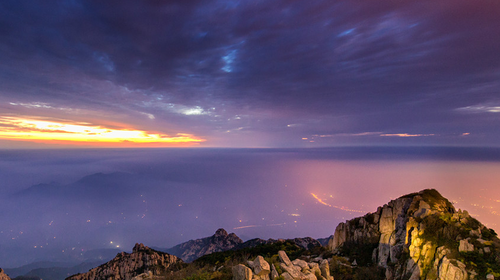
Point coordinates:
[[283, 70]]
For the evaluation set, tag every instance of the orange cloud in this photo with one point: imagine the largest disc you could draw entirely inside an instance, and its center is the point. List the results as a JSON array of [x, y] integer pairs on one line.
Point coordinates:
[[67, 132]]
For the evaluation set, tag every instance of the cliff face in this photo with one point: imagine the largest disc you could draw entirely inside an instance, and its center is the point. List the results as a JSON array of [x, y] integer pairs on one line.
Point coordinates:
[[126, 266], [3, 276], [193, 249], [420, 236]]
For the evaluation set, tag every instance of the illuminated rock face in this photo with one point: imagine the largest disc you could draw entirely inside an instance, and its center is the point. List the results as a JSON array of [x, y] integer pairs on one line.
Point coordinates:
[[3, 276], [418, 236], [127, 266]]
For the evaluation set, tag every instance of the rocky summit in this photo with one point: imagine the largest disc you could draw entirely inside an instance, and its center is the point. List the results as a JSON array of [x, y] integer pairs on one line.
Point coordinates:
[[420, 236], [3, 276], [193, 249], [143, 261]]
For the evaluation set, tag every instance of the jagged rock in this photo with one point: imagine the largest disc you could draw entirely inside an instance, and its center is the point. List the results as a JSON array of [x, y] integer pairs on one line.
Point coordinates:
[[312, 265], [405, 234], [193, 249], [310, 276], [300, 263], [274, 272], [260, 266], [126, 266], [143, 276], [3, 276], [261, 277], [284, 258], [325, 269], [241, 272], [449, 271], [465, 246], [287, 276], [292, 270], [250, 264]]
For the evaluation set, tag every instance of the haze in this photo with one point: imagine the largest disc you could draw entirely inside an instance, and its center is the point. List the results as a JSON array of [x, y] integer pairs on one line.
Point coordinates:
[[60, 204]]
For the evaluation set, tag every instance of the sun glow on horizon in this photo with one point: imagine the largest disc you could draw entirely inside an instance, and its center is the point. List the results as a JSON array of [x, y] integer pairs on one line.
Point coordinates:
[[32, 129]]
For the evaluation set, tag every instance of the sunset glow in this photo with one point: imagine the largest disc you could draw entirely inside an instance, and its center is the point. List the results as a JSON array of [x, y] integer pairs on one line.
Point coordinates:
[[31, 129]]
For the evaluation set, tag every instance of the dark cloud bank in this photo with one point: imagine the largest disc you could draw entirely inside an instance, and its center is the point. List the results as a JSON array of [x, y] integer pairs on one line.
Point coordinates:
[[261, 73]]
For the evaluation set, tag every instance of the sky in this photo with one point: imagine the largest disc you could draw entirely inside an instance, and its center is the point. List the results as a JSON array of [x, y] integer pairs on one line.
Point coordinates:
[[228, 73]]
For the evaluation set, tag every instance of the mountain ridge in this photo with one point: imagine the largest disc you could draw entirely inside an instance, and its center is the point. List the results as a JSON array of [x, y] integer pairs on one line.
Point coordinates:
[[420, 236]]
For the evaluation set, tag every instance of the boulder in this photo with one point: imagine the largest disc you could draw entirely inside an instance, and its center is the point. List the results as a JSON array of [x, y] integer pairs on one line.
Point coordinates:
[[448, 271], [260, 266], [465, 246], [310, 276], [241, 272], [143, 276], [250, 264], [284, 258], [274, 272], [325, 269], [300, 263], [294, 272], [287, 276]]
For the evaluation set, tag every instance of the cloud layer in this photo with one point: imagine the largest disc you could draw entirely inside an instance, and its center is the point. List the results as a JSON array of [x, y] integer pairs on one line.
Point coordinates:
[[259, 73]]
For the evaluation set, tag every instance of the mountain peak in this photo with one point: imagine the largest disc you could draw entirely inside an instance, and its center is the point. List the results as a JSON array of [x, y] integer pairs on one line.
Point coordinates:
[[3, 276], [221, 232], [419, 235], [193, 249], [139, 247]]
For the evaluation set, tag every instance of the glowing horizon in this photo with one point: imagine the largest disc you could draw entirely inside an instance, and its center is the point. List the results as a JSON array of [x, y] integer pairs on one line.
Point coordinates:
[[76, 133]]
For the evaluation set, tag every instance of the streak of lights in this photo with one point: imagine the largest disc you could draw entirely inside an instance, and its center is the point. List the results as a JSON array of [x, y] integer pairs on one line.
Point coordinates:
[[343, 208], [253, 226], [404, 135], [250, 226], [32, 129]]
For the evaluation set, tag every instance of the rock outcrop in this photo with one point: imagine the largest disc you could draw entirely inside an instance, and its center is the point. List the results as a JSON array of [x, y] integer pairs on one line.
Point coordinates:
[[3, 276], [420, 236], [222, 241], [142, 262], [290, 270], [193, 249]]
